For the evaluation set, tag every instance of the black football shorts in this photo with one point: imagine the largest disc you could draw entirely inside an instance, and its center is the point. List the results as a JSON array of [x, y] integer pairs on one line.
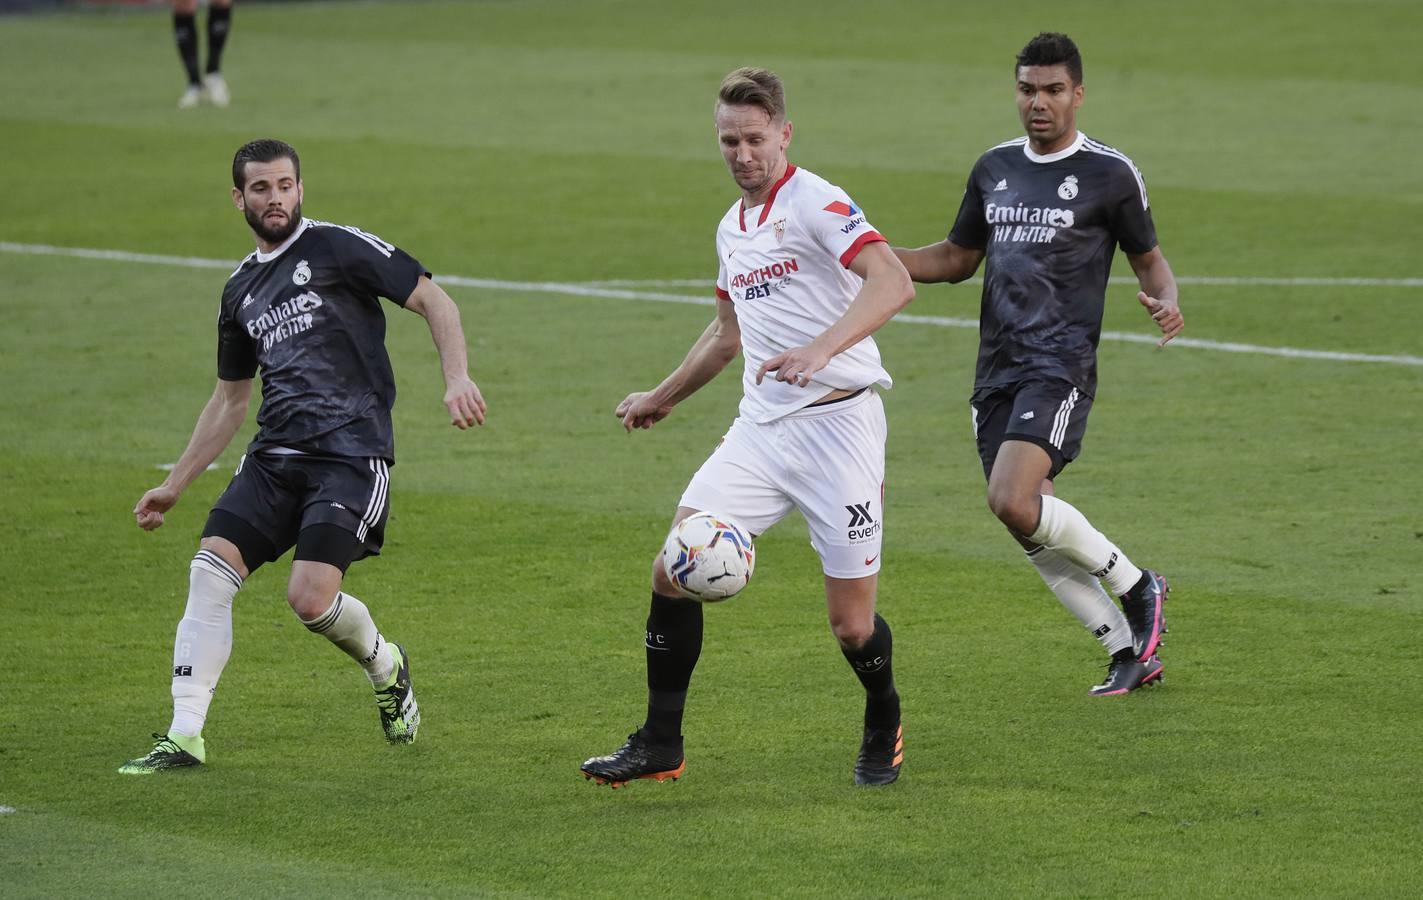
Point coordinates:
[[277, 501], [1051, 414]]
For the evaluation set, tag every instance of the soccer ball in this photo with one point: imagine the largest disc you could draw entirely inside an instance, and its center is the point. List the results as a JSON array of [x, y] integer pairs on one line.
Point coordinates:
[[708, 557]]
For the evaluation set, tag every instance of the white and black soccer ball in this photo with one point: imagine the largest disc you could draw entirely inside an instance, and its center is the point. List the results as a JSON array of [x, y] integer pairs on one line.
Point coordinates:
[[708, 557]]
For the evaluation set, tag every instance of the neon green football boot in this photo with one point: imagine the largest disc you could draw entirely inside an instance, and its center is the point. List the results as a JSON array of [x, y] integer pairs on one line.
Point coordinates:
[[172, 751], [399, 713]]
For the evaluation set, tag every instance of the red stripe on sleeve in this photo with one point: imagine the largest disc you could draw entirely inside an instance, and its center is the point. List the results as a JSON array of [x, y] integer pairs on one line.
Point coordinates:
[[869, 237], [722, 295]]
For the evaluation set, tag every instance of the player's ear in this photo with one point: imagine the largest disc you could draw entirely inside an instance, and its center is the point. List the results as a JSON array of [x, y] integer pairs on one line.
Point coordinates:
[[237, 200], [300, 191], [1077, 94], [786, 134]]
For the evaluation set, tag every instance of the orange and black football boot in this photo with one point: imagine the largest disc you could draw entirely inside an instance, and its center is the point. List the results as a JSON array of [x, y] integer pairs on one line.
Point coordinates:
[[881, 755], [638, 758]]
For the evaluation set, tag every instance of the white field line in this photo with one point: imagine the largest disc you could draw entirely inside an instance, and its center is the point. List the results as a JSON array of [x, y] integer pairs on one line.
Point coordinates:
[[187, 262], [612, 290]]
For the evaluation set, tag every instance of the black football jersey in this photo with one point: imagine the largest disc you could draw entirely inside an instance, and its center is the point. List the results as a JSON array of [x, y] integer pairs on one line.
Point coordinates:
[[1049, 226], [308, 316]]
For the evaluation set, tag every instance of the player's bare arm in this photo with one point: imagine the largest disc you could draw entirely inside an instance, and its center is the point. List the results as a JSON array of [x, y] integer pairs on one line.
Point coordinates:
[[462, 397], [941, 262], [224, 413], [712, 352], [887, 290], [1158, 292]]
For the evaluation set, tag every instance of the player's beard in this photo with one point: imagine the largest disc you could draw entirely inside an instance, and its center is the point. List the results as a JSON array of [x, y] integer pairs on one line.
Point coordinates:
[[273, 235]]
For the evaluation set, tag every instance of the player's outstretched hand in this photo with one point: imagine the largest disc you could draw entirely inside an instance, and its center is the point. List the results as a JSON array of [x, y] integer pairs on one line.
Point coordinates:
[[1166, 314], [638, 410], [152, 505], [465, 403], [796, 365]]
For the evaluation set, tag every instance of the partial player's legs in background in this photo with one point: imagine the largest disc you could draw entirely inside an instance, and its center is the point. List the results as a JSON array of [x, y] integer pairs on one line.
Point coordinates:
[[185, 32], [219, 25]]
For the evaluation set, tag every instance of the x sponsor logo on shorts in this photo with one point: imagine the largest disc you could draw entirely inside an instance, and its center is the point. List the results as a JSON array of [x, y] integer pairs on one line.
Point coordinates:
[[859, 514], [862, 525]]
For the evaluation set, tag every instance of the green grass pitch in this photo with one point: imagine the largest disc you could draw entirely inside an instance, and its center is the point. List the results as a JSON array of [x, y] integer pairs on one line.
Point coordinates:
[[572, 142]]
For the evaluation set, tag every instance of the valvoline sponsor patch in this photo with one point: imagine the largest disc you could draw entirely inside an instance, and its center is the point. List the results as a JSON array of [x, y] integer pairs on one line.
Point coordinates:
[[841, 208]]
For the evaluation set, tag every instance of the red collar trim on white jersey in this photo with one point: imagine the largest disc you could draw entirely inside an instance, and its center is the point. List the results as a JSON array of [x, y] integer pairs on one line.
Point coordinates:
[[771, 198]]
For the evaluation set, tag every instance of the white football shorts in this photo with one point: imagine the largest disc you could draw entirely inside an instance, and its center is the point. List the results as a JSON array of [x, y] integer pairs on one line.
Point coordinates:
[[827, 461]]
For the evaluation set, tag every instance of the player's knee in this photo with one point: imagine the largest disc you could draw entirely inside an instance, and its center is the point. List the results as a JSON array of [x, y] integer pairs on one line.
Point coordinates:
[[309, 599], [228, 552], [185, 7], [852, 631], [1016, 510], [660, 582]]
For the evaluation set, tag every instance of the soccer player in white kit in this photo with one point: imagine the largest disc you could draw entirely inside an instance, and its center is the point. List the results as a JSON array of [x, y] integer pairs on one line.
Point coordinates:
[[803, 281]]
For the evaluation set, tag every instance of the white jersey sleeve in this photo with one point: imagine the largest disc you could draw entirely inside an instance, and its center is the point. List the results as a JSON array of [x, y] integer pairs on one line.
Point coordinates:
[[841, 227]]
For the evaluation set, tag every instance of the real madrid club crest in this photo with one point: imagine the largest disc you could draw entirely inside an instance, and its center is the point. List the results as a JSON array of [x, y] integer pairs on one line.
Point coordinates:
[[780, 226], [1068, 189], [303, 271]]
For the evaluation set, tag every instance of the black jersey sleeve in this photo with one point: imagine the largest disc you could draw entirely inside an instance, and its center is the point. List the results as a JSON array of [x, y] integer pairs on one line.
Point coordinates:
[[970, 227], [236, 352], [375, 265], [1130, 215]]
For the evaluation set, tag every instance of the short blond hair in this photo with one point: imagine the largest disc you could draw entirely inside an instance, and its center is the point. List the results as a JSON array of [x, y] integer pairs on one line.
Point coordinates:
[[749, 86]]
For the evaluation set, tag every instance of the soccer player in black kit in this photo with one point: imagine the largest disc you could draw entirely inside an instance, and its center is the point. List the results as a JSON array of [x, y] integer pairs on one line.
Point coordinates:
[[303, 309], [1048, 210]]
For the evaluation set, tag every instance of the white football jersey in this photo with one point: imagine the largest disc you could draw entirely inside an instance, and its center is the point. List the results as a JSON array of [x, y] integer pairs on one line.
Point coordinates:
[[785, 265]]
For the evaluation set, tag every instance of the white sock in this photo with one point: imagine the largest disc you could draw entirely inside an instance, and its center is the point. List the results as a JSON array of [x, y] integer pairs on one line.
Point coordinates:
[[1061, 528], [204, 640], [348, 624], [1084, 598]]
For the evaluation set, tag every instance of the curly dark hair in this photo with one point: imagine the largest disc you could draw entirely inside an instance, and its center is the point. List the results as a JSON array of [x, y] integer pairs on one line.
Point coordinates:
[[1052, 48]]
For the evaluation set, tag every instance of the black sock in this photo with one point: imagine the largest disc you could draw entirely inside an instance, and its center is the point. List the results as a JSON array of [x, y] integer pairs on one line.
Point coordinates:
[[219, 20], [186, 33], [871, 663], [674, 641]]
